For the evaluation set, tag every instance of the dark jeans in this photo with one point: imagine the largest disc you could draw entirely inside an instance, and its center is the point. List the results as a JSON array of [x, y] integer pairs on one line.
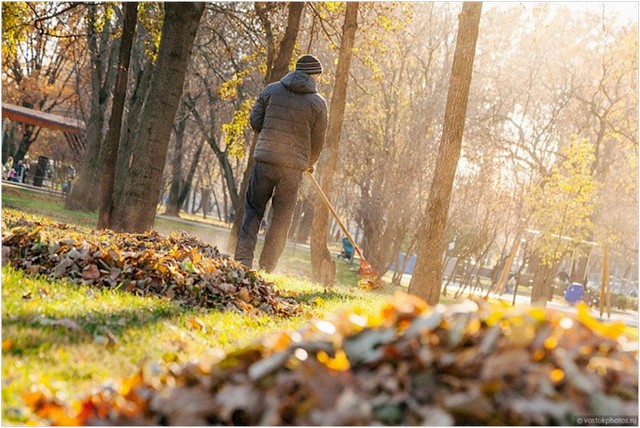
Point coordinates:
[[280, 184]]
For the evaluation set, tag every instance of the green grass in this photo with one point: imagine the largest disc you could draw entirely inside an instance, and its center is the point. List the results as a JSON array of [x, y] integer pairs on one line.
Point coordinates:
[[47, 205], [69, 337]]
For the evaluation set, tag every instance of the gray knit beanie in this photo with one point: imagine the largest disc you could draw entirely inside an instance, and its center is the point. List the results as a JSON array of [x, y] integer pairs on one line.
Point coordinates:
[[309, 64]]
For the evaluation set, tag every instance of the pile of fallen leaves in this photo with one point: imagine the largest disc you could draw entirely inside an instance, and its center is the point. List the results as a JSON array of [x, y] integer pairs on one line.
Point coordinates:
[[465, 364], [178, 267]]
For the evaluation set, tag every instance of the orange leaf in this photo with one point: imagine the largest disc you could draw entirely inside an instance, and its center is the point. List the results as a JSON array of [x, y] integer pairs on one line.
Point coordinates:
[[7, 344], [195, 324]]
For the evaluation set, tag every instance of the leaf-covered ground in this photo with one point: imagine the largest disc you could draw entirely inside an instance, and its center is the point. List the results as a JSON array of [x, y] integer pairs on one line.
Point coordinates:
[[178, 267], [467, 363]]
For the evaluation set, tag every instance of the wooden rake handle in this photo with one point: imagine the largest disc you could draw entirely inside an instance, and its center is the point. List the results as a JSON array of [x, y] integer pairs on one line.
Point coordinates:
[[326, 201]]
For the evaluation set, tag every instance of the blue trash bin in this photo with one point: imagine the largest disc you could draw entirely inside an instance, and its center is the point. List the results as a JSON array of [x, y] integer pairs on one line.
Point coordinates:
[[574, 292]]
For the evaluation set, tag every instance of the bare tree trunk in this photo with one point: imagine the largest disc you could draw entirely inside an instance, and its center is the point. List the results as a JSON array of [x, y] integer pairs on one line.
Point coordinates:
[[287, 44], [579, 269], [323, 268], [277, 70], [544, 274], [136, 102], [180, 187], [112, 139], [205, 201], [137, 207], [82, 195], [173, 202], [29, 135], [193, 195], [184, 186], [304, 227], [427, 278]]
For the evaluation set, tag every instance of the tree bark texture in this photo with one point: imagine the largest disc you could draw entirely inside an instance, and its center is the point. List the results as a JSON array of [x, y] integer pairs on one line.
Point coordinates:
[[321, 259], [427, 277], [29, 135], [543, 275], [141, 87], [112, 139], [83, 193], [277, 70], [173, 203], [184, 186], [283, 59], [135, 211]]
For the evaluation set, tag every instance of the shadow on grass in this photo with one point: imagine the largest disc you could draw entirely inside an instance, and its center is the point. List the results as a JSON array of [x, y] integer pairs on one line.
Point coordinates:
[[35, 330], [310, 296]]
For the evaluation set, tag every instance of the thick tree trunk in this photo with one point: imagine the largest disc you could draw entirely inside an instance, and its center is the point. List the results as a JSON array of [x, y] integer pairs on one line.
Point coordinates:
[[136, 209], [276, 71], [427, 278], [29, 135], [83, 193], [322, 266], [112, 139], [136, 102], [544, 274]]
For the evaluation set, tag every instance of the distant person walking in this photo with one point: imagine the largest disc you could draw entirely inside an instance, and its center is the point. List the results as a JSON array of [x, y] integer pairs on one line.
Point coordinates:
[[291, 119], [8, 167]]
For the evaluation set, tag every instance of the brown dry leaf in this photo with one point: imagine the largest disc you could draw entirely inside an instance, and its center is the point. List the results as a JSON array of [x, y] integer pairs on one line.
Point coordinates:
[[245, 295], [91, 272]]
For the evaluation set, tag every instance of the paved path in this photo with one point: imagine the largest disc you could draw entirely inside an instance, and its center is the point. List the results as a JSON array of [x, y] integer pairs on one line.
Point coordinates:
[[629, 318]]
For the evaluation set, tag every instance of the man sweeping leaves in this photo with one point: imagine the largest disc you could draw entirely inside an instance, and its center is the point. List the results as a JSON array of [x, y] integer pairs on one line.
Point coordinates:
[[291, 119]]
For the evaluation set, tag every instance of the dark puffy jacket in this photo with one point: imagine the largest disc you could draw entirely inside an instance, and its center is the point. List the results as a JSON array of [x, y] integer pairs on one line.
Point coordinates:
[[291, 118]]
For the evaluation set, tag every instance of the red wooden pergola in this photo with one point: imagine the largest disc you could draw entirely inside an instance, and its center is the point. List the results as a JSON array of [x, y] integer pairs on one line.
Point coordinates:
[[74, 130]]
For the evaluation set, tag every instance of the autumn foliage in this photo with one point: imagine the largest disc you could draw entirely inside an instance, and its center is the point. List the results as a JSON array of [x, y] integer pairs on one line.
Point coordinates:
[[178, 267], [468, 363]]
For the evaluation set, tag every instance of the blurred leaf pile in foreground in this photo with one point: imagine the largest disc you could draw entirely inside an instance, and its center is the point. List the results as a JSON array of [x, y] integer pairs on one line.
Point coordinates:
[[467, 363], [178, 267]]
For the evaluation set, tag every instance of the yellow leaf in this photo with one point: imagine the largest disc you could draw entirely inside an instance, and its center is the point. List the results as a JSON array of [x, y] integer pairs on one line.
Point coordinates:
[[611, 330], [340, 362]]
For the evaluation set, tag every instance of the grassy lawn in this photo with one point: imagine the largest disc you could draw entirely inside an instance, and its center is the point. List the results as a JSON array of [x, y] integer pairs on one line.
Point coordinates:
[[52, 206], [69, 338]]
